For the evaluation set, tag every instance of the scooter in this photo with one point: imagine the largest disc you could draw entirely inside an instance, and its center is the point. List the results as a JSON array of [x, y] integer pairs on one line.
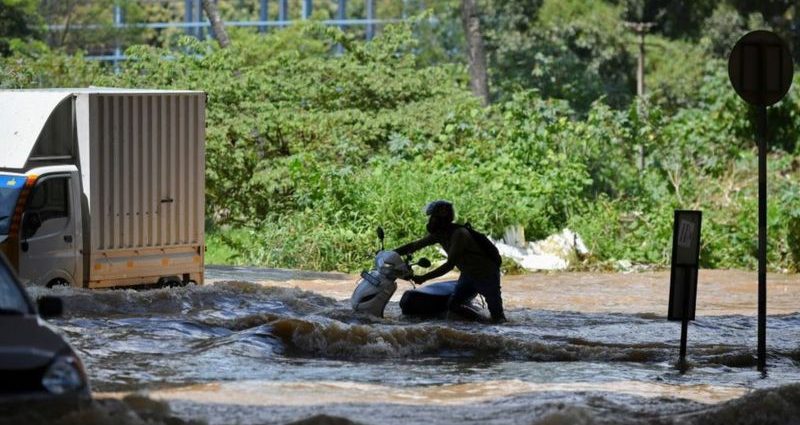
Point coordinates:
[[377, 286]]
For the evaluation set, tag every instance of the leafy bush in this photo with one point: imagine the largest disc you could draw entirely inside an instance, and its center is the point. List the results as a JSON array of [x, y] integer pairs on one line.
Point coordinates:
[[307, 152], [40, 67]]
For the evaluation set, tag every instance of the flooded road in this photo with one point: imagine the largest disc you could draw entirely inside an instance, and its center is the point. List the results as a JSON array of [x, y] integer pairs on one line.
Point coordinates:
[[257, 346]]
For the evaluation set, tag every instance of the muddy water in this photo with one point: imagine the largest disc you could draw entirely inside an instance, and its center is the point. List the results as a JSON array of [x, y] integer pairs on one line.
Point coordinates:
[[257, 346]]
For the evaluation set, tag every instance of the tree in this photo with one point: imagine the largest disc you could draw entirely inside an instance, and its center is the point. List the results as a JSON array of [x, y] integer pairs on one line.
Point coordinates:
[[19, 20], [771, 10], [563, 54], [210, 7], [92, 25], [673, 18], [478, 78]]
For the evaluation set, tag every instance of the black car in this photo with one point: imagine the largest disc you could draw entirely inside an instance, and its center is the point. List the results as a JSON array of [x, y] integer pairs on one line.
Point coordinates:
[[36, 363]]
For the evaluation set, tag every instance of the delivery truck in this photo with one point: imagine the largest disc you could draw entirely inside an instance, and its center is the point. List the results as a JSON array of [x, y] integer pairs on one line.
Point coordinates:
[[103, 187]]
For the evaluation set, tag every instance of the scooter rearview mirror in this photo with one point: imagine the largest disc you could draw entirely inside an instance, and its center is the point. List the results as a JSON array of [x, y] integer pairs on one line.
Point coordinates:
[[424, 262], [380, 236]]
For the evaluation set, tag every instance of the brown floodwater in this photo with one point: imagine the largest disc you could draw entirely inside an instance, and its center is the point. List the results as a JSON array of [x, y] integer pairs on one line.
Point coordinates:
[[720, 292], [259, 346]]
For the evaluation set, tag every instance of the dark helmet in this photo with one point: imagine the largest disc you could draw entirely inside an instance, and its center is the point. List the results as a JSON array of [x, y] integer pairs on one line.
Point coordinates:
[[441, 209]]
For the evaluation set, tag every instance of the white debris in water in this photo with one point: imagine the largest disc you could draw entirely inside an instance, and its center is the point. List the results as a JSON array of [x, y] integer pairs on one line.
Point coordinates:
[[514, 235], [556, 252], [624, 266]]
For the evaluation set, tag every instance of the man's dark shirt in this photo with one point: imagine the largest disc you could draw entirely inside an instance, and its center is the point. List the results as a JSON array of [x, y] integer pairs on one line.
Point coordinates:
[[462, 252]]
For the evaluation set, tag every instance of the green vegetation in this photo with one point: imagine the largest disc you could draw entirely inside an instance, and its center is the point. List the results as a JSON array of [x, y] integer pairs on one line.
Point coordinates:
[[309, 151], [18, 22]]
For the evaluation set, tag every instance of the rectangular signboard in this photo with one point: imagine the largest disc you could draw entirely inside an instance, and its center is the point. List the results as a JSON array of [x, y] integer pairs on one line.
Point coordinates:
[[686, 238], [685, 263], [681, 280]]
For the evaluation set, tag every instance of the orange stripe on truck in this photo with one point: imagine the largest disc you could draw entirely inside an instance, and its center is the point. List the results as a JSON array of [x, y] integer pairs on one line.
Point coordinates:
[[20, 208]]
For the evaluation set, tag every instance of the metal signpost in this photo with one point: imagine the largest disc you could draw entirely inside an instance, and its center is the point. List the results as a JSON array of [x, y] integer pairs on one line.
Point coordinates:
[[760, 69], [683, 278]]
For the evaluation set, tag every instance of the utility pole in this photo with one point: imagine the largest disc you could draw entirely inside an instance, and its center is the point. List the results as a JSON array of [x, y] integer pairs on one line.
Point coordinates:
[[118, 19], [283, 10], [188, 6], [263, 14], [640, 29], [370, 18], [341, 12]]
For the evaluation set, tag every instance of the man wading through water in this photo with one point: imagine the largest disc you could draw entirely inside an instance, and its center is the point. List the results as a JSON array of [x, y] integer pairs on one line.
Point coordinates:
[[474, 255]]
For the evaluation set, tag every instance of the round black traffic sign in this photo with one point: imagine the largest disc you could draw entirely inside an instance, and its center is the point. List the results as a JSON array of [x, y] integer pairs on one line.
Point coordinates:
[[760, 68]]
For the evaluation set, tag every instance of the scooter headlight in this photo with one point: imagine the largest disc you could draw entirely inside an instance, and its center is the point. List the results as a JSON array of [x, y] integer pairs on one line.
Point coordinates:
[[64, 375]]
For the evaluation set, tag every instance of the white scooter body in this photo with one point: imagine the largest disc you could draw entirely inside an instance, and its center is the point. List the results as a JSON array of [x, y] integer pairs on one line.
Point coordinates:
[[377, 286]]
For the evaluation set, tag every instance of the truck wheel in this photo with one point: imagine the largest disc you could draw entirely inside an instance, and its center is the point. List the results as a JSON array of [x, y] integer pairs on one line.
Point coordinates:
[[170, 282], [176, 284], [57, 282]]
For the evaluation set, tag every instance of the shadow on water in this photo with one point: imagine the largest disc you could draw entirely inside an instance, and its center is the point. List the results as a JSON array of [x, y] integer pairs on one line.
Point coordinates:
[[763, 407]]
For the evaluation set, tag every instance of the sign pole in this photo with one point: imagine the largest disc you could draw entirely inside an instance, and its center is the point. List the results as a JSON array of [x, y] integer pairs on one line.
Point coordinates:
[[760, 69], [762, 237], [685, 320], [683, 276]]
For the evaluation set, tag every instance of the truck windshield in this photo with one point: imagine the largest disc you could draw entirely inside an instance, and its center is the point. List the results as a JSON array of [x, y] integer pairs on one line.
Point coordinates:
[[10, 188]]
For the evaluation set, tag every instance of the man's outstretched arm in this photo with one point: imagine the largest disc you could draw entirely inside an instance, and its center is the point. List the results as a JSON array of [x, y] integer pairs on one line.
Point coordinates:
[[437, 272], [416, 245]]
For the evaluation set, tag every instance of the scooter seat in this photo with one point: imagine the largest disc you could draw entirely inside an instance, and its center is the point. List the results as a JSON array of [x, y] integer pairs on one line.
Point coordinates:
[[428, 300], [431, 300]]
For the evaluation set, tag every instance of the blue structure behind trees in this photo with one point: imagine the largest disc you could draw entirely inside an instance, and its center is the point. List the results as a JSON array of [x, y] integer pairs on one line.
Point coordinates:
[[195, 22]]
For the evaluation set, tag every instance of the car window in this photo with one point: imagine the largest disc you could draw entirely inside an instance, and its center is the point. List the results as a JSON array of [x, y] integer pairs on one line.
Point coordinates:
[[11, 298]]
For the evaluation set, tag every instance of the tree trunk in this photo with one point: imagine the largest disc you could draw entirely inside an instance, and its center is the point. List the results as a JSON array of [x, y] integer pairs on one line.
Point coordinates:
[[478, 79], [70, 9], [210, 7]]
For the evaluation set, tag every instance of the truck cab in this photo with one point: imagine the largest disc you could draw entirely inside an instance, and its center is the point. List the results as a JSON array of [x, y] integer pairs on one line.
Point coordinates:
[[45, 207]]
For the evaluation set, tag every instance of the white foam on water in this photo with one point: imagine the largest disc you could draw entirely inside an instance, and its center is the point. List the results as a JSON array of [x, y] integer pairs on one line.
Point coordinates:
[[306, 393]]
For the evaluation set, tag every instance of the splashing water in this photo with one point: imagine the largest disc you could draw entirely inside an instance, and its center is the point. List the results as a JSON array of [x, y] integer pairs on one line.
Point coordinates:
[[272, 347]]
